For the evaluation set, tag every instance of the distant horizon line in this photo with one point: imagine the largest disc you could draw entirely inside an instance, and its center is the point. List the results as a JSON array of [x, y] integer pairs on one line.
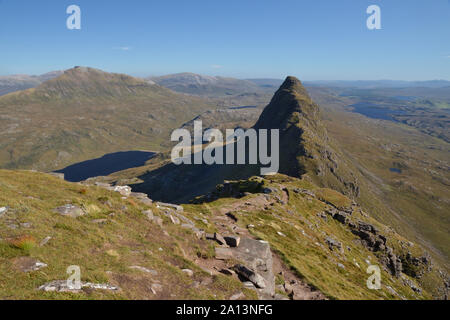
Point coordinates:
[[223, 76]]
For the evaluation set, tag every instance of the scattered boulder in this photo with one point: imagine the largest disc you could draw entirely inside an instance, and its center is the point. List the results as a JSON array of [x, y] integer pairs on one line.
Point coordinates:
[[149, 214], [70, 210], [216, 237], [219, 239], [250, 275], [142, 197], [123, 190], [323, 216], [232, 241], [182, 218], [45, 241], [341, 216], [412, 285], [305, 192], [189, 272], [174, 219], [333, 244]]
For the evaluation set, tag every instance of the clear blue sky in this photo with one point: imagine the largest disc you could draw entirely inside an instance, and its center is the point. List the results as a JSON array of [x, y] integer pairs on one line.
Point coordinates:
[[320, 39]]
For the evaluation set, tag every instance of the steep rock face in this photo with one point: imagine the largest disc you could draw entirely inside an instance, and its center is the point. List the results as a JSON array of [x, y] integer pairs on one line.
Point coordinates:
[[305, 147]]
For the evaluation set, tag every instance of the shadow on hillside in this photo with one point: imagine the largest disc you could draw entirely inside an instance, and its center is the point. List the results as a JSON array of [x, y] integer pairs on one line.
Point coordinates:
[[182, 183], [105, 165]]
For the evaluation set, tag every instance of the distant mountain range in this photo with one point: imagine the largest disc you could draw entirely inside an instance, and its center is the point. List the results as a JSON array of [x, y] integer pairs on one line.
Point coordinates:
[[85, 113], [206, 85], [21, 82], [214, 86], [372, 84]]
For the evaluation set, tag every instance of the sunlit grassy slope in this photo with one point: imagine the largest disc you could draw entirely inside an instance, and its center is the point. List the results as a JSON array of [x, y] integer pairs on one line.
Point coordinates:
[[106, 250]]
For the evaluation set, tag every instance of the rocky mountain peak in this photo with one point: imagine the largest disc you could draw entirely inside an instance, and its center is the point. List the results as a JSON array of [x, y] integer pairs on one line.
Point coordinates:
[[89, 82], [305, 147], [290, 104]]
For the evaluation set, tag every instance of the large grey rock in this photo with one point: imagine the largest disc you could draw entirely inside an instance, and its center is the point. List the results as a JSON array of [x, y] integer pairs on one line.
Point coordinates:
[[123, 190], [256, 256], [250, 275], [70, 210]]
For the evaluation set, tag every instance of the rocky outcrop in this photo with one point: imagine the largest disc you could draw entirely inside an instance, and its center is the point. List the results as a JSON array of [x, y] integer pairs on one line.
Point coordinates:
[[415, 267], [334, 244]]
